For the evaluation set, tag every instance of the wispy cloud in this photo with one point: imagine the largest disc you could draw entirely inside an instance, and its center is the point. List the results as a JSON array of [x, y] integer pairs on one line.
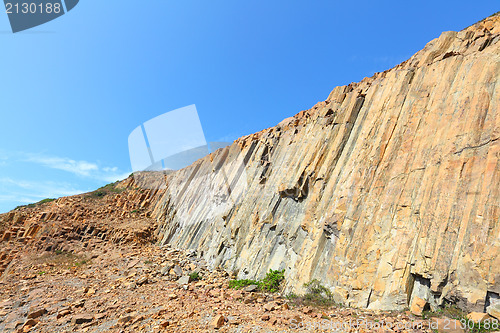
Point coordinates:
[[15, 189], [28, 191], [80, 168]]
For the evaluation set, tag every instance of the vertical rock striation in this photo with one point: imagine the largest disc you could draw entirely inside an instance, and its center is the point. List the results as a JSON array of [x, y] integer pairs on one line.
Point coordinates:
[[387, 190]]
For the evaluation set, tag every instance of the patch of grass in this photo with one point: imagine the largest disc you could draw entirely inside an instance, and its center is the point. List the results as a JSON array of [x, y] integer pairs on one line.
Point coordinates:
[[105, 190], [61, 259], [238, 284], [135, 211], [195, 276], [148, 262], [41, 202]]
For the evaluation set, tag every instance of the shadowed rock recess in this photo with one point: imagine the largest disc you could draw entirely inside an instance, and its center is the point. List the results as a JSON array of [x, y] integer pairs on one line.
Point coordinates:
[[386, 192]]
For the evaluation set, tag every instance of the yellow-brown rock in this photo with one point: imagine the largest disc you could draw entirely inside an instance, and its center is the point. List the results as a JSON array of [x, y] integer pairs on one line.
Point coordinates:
[[391, 180]]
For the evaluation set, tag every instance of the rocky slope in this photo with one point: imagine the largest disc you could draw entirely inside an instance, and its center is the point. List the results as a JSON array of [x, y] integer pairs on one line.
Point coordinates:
[[388, 191]]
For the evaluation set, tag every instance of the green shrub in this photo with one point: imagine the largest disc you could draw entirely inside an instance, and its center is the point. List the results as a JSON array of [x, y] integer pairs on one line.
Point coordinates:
[[105, 190], [238, 284], [316, 295], [271, 283], [195, 276]]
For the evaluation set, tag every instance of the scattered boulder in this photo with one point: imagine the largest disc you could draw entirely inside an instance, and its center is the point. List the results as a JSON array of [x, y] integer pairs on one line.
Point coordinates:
[[217, 321], [142, 280], [184, 280], [417, 306], [251, 288], [29, 324], [269, 307], [35, 313], [82, 318], [494, 310], [477, 317], [125, 319], [178, 270]]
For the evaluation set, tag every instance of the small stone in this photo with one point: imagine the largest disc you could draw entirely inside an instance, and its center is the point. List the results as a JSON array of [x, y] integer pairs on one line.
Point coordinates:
[[79, 304], [142, 281], [133, 263], [125, 319], [494, 310], [217, 321], [307, 310], [29, 324], [269, 307], [296, 319], [165, 270], [251, 288], [63, 313], [130, 285], [165, 323], [265, 317], [35, 313], [184, 280], [178, 270], [82, 318], [172, 296]]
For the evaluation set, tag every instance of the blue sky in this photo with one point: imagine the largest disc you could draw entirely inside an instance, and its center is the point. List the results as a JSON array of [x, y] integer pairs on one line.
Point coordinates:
[[73, 89]]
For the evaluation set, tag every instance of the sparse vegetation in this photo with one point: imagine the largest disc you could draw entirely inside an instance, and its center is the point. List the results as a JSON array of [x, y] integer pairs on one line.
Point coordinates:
[[105, 190], [32, 205], [195, 276], [238, 284], [453, 312], [271, 283], [60, 259], [316, 295]]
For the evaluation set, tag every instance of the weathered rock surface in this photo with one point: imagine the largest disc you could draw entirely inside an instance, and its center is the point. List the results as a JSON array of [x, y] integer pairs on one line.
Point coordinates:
[[390, 180], [388, 192]]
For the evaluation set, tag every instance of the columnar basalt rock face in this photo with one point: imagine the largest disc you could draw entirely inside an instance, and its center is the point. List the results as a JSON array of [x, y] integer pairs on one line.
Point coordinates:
[[119, 213], [387, 191]]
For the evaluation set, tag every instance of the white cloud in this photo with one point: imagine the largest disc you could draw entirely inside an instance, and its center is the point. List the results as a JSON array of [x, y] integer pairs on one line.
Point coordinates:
[[15, 191], [107, 169], [18, 192], [80, 168]]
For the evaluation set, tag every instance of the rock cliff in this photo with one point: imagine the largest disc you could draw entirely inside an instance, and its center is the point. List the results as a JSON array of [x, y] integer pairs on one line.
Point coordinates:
[[387, 191]]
